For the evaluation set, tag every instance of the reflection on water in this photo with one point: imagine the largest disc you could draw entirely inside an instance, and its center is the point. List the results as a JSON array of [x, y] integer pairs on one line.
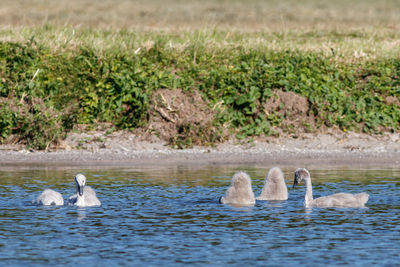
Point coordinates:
[[171, 215]]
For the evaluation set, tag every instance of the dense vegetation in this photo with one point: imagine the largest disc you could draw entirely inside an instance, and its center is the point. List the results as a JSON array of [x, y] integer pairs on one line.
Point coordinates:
[[45, 92]]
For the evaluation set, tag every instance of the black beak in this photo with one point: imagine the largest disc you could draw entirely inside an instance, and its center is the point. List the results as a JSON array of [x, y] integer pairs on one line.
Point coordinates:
[[295, 183], [80, 190]]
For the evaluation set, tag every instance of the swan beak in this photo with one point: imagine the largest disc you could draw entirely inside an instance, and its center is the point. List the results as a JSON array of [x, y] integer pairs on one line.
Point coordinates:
[[295, 183], [80, 190]]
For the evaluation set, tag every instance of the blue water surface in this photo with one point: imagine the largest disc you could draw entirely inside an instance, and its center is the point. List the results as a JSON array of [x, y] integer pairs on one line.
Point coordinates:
[[170, 215]]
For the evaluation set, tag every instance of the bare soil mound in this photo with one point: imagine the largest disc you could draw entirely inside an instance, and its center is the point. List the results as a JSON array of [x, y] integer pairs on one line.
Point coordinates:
[[182, 118], [293, 109]]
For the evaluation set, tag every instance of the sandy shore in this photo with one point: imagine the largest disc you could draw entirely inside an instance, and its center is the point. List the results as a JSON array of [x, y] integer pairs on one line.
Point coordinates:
[[309, 150]]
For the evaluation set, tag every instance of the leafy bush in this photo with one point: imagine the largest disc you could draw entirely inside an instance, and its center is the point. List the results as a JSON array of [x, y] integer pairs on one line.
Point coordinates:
[[31, 120]]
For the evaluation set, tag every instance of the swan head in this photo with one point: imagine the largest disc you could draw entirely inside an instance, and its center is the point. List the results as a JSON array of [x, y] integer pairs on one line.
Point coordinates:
[[80, 181], [299, 175]]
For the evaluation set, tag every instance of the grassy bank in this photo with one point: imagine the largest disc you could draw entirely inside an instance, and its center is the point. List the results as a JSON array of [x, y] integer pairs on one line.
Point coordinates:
[[52, 79]]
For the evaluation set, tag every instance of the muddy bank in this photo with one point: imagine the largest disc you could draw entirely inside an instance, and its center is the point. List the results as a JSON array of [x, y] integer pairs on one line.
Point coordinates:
[[123, 149]]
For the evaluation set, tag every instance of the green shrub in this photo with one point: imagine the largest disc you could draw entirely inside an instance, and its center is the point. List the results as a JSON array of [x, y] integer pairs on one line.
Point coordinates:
[[84, 86]]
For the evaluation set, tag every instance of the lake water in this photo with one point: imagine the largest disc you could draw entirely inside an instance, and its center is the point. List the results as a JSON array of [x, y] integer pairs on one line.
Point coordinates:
[[170, 215]]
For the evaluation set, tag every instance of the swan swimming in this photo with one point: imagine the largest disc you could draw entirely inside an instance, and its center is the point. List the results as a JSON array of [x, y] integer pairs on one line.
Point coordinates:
[[343, 200], [274, 186], [85, 196], [49, 197], [240, 191]]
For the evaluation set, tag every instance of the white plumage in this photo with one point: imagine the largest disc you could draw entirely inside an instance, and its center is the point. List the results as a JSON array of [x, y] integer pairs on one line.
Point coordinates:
[[274, 186], [85, 196], [240, 191], [340, 200], [49, 197]]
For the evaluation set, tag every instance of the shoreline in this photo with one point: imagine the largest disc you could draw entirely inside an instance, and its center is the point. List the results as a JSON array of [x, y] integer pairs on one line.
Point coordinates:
[[309, 150]]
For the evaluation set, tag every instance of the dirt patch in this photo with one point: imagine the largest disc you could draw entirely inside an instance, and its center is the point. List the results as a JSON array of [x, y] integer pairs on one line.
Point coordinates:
[[293, 109], [287, 103], [392, 100], [181, 118]]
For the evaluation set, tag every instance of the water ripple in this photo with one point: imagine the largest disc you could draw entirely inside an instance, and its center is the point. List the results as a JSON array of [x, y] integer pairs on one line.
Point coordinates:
[[172, 216]]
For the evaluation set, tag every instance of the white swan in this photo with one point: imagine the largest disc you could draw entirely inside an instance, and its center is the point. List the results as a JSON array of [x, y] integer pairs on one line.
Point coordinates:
[[240, 191], [49, 197], [85, 195], [274, 186], [343, 200]]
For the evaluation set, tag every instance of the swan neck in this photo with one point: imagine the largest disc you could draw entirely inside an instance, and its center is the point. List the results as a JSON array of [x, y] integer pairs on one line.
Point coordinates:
[[309, 196], [80, 200]]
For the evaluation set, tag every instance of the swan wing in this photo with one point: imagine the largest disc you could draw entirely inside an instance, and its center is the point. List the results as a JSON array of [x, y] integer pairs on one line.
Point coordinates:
[[345, 200]]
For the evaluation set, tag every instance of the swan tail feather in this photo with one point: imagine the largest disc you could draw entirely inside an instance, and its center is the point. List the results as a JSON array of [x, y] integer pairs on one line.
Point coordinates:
[[362, 197]]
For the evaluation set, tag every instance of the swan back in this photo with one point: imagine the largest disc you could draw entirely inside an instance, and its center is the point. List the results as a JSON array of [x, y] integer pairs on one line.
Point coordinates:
[[342, 200], [274, 186], [49, 197], [240, 191]]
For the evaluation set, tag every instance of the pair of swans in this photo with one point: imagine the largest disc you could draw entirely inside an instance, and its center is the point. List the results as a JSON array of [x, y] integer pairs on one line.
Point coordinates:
[[85, 196], [241, 193]]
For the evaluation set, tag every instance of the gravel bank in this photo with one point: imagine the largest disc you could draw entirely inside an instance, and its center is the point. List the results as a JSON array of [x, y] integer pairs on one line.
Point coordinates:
[[309, 150]]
